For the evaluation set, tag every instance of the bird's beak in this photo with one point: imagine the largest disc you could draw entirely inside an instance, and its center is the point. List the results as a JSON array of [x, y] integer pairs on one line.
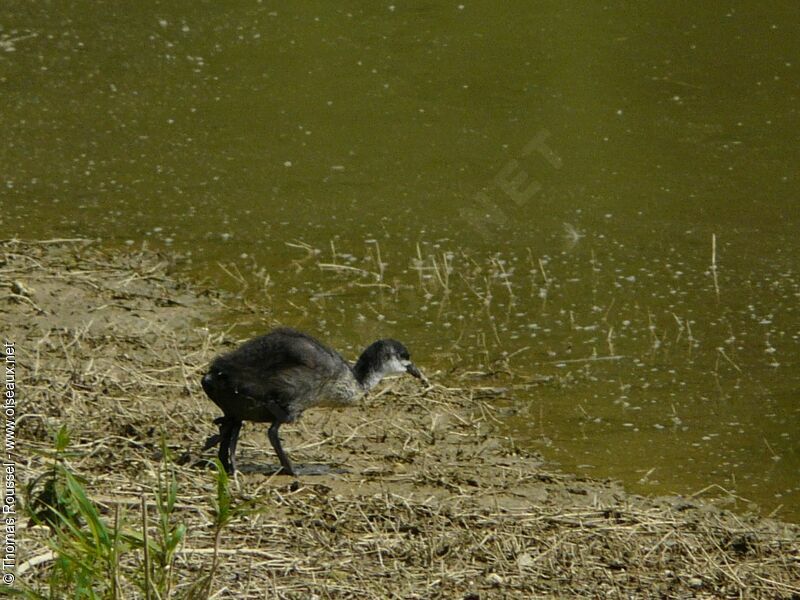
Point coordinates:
[[412, 369]]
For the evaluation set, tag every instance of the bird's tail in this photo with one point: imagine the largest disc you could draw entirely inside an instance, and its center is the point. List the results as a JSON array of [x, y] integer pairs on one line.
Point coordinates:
[[209, 383]]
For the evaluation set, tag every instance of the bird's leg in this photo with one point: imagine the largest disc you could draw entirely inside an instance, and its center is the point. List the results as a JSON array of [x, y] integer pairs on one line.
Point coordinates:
[[225, 430], [275, 440], [280, 416], [213, 440], [236, 427]]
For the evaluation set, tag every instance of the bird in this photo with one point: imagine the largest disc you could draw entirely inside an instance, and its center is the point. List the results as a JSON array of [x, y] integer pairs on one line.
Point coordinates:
[[274, 378]]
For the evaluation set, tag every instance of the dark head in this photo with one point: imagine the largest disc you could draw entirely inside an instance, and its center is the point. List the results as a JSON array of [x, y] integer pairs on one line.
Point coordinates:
[[383, 358]]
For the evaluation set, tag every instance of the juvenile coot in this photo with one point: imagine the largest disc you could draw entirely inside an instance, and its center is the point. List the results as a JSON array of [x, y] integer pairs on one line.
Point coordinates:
[[275, 377]]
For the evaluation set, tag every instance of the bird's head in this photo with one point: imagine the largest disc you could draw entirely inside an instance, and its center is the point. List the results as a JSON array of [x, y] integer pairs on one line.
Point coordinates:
[[382, 358]]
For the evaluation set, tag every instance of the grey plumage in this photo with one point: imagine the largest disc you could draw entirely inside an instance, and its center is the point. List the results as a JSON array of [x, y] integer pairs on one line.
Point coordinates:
[[274, 378]]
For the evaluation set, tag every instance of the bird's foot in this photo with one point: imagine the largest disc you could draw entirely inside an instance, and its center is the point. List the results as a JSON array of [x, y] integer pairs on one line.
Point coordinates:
[[211, 442]]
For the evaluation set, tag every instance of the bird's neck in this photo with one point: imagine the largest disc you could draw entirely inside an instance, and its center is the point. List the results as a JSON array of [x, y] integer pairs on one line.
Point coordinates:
[[370, 381], [366, 376]]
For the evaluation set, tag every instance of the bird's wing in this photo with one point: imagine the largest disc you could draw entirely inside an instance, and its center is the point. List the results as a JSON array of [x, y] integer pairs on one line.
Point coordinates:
[[286, 348], [280, 366]]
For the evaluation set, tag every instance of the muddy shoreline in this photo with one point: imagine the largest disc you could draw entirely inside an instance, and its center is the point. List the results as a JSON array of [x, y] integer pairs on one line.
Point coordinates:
[[418, 496]]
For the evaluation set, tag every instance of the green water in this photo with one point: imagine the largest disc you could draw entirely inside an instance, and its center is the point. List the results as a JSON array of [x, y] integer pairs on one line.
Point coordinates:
[[541, 182]]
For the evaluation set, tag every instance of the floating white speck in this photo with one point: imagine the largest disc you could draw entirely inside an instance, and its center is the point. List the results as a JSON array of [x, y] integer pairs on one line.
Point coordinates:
[[288, 163]]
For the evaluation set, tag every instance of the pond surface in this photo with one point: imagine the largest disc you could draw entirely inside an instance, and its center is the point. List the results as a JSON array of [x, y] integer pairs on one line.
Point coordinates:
[[591, 213]]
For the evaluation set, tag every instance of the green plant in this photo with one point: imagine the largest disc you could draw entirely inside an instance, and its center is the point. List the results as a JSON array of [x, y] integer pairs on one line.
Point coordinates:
[[170, 534], [87, 550], [96, 559], [47, 495], [223, 514]]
